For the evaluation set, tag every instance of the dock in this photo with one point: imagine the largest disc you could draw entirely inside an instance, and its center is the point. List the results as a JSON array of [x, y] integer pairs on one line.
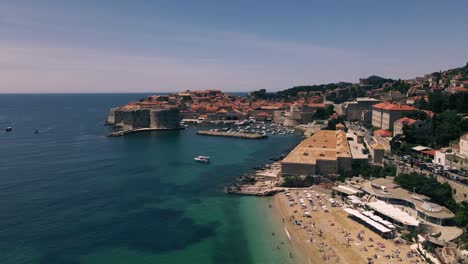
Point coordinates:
[[231, 134], [120, 133]]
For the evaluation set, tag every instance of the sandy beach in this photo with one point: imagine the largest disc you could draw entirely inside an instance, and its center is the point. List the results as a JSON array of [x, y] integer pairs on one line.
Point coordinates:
[[332, 237]]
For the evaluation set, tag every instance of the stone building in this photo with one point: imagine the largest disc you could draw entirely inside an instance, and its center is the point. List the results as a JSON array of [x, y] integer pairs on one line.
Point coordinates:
[[353, 110], [326, 152], [136, 118], [385, 114]]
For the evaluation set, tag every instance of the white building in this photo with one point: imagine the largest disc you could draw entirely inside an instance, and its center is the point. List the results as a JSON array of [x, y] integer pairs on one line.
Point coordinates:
[[442, 157], [464, 145]]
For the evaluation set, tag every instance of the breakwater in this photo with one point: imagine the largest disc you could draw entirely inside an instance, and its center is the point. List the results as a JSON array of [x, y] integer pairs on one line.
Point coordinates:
[[129, 131], [231, 134]]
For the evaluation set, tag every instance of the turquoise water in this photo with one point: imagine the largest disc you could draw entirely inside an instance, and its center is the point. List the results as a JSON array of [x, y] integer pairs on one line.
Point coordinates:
[[72, 195]]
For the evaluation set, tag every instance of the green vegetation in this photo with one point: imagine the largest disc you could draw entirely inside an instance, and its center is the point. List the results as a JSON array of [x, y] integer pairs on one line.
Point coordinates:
[[324, 113], [440, 102], [298, 181], [333, 122], [418, 115], [399, 86], [376, 81], [444, 128], [440, 193], [367, 170], [292, 92], [410, 236]]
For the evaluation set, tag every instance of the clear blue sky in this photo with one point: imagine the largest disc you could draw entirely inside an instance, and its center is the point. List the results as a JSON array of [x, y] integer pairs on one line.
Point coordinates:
[[242, 45]]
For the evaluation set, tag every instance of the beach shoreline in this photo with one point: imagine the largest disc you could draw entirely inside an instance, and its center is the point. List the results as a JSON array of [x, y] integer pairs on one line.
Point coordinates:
[[332, 237]]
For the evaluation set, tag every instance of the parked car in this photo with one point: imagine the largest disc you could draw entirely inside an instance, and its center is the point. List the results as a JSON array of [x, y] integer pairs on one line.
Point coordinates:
[[423, 166], [455, 177]]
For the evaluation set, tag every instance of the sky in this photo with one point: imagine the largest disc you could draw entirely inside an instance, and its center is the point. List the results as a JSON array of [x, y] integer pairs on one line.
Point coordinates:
[[56, 46]]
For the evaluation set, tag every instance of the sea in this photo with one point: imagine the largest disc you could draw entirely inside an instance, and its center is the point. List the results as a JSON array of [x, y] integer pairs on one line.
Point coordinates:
[[70, 194]]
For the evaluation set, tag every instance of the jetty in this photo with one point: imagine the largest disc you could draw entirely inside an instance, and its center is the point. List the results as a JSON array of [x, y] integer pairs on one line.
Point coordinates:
[[120, 133], [231, 134]]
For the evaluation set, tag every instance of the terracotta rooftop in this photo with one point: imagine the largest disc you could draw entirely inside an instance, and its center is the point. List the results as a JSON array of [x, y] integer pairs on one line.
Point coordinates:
[[382, 133], [406, 121], [393, 107], [323, 145]]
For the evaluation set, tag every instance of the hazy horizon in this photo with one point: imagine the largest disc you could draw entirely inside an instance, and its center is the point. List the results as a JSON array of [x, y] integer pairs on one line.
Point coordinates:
[[152, 46]]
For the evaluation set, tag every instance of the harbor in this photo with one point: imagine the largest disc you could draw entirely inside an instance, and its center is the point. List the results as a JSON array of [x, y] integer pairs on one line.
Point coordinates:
[[231, 134]]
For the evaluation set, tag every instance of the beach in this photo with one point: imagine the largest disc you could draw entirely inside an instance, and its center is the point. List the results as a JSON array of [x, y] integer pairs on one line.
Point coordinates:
[[332, 237]]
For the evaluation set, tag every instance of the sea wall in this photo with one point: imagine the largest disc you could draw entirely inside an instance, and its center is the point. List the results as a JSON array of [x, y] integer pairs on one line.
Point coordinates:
[[132, 119], [165, 118], [111, 116], [144, 118]]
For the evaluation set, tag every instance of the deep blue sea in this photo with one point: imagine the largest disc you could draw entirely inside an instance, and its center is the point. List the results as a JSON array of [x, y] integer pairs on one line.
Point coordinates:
[[69, 194]]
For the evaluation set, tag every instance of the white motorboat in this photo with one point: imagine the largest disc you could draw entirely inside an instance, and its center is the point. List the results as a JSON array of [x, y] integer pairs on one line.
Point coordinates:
[[204, 159]]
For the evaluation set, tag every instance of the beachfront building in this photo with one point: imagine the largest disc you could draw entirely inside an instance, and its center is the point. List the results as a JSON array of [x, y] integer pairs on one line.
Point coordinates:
[[376, 223], [384, 189], [346, 191], [385, 114], [326, 152]]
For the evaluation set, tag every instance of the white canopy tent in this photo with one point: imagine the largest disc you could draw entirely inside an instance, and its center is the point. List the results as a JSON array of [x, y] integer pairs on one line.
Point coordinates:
[[394, 213], [367, 220]]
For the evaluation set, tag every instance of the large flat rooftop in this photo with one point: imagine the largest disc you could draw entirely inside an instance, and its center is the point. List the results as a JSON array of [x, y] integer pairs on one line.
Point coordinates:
[[386, 188], [323, 145]]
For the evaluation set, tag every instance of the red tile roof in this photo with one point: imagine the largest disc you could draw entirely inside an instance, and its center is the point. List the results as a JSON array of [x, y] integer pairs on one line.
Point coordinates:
[[430, 152], [393, 107], [382, 133], [406, 121], [211, 109], [263, 114], [430, 114], [317, 105]]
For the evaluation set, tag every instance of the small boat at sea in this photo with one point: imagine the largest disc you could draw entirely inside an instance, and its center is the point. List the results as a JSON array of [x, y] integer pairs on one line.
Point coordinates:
[[203, 159], [8, 129], [36, 131]]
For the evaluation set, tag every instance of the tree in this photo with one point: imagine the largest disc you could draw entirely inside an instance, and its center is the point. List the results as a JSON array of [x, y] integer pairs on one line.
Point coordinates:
[[436, 102], [321, 113], [330, 110], [421, 104], [333, 122], [418, 115]]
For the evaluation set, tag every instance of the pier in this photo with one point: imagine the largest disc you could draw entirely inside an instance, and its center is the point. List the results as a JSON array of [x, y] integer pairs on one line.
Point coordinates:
[[129, 131], [231, 134]]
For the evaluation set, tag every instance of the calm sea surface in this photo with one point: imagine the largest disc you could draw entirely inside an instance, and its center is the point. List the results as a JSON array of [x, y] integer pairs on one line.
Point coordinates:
[[72, 195]]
